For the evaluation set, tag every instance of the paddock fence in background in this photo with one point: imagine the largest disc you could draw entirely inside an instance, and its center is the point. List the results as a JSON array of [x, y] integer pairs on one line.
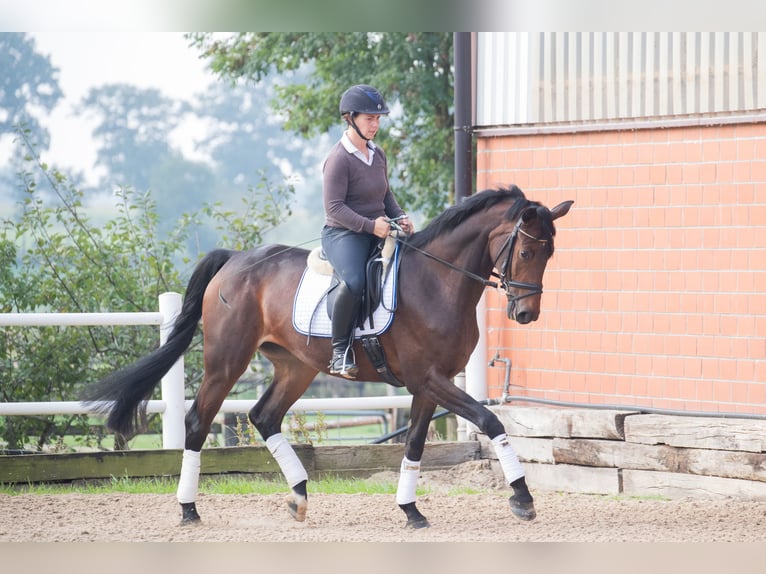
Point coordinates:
[[173, 404]]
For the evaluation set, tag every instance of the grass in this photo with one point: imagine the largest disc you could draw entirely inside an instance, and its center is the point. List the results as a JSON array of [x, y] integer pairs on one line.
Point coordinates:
[[223, 484]]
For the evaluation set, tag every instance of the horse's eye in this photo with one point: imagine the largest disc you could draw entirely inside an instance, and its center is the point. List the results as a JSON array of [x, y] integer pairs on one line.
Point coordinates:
[[524, 254]]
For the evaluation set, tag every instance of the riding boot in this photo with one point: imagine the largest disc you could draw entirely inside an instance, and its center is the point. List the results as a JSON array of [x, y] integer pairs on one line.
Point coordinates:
[[344, 315]]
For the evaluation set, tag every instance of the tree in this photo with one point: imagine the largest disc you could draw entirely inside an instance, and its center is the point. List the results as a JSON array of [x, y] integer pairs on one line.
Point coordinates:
[[28, 84], [240, 145], [133, 136], [412, 70], [54, 258], [28, 81]]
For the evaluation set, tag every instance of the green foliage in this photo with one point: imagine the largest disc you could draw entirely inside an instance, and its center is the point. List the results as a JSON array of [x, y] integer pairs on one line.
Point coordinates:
[[264, 207], [246, 433], [304, 432], [413, 70], [54, 257]]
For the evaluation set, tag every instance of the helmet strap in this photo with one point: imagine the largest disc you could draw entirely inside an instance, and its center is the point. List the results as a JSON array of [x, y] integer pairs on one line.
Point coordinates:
[[350, 121]]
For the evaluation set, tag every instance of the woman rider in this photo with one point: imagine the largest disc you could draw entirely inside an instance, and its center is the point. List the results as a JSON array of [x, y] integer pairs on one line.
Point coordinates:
[[357, 203]]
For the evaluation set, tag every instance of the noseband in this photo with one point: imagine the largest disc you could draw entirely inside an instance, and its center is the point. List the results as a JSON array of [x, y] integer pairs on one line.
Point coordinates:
[[505, 278]]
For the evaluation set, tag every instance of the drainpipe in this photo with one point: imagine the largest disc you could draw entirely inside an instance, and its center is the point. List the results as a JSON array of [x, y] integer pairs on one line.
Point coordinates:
[[475, 376], [463, 115]]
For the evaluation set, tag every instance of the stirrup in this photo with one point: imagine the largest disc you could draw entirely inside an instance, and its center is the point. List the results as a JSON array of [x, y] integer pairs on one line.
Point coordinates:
[[340, 366]]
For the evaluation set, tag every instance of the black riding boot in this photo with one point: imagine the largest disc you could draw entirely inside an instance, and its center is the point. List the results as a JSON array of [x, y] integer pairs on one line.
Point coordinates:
[[344, 314]]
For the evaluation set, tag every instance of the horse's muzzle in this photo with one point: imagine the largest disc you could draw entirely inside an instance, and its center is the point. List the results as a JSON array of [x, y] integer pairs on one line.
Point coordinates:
[[522, 316], [525, 317]]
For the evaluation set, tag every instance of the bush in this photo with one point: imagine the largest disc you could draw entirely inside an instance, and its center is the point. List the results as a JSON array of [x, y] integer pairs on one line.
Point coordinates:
[[55, 258]]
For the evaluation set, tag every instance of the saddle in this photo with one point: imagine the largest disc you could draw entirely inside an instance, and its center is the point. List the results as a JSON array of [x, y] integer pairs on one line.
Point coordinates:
[[377, 269], [377, 299]]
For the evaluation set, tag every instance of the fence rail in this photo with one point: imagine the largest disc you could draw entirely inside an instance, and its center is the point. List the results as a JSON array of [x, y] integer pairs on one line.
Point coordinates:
[[173, 404]]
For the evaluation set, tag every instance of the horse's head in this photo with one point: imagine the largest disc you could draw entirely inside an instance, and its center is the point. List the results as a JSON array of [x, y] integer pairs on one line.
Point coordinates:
[[522, 248]]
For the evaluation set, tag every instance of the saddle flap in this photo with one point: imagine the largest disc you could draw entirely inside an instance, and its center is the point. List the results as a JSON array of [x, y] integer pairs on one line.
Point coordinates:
[[310, 309]]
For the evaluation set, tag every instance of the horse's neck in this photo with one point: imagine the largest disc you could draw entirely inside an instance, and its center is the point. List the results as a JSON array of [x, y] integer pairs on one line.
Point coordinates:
[[465, 249]]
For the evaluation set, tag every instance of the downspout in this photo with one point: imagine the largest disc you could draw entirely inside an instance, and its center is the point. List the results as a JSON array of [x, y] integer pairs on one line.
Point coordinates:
[[474, 379], [463, 115]]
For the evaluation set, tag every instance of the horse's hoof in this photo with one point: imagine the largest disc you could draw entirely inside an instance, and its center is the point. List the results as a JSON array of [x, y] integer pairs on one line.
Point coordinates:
[[189, 515], [522, 510], [415, 520], [190, 521], [297, 506], [418, 523]]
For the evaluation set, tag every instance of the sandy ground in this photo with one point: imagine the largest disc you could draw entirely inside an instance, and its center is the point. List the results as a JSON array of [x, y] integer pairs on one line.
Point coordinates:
[[376, 518]]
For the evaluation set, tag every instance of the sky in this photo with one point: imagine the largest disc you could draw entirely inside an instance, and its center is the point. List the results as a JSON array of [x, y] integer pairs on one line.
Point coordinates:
[[85, 60]]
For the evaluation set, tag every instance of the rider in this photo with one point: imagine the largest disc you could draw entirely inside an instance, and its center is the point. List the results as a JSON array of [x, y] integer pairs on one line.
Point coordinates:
[[357, 203]]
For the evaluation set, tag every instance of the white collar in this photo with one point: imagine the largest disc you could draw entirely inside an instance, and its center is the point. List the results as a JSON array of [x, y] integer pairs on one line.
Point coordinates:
[[351, 148]]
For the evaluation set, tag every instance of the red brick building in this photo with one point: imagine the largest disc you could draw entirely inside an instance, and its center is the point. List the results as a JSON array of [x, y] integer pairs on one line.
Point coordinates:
[[656, 295]]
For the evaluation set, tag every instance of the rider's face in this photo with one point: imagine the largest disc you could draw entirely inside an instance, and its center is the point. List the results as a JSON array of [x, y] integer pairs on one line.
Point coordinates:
[[368, 124]]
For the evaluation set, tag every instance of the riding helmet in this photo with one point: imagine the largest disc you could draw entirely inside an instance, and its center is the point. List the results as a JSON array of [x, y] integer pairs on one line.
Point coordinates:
[[362, 99]]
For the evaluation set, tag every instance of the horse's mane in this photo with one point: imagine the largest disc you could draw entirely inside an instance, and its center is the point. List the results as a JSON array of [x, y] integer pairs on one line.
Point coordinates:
[[481, 201]]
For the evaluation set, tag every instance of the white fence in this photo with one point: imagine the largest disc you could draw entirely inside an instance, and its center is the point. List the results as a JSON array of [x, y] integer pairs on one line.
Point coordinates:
[[172, 405]]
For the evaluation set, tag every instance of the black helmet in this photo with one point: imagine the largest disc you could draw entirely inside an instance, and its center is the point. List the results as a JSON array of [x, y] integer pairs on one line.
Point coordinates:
[[362, 99]]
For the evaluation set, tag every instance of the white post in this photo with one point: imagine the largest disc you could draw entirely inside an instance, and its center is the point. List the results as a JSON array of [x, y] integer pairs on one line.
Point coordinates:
[[462, 424], [173, 426], [476, 369]]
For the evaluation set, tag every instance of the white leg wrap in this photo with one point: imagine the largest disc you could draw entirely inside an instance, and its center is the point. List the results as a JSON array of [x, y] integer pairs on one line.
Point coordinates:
[[408, 481], [189, 479], [509, 462], [287, 460]]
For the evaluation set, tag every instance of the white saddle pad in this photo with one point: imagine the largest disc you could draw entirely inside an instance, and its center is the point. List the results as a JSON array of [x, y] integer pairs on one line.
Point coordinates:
[[310, 306]]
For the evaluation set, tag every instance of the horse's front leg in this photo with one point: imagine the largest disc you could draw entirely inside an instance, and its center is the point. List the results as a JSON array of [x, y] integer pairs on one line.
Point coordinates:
[[522, 503], [465, 406], [420, 417]]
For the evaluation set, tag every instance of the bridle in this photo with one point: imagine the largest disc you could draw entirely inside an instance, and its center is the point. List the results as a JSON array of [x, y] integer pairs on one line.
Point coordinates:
[[505, 269], [506, 281]]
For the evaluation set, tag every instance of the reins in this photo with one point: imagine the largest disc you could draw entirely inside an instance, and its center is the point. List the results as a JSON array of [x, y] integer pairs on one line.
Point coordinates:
[[505, 269], [469, 274], [506, 282]]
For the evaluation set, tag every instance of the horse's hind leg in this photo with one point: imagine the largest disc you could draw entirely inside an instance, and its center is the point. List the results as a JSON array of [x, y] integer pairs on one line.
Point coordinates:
[[291, 379], [420, 417], [223, 366], [198, 422]]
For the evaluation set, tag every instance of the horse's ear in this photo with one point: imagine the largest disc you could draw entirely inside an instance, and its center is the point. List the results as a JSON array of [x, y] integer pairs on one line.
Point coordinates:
[[561, 209]]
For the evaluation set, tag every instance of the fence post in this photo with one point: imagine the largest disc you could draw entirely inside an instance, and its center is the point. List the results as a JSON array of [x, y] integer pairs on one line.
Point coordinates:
[[173, 428], [475, 374]]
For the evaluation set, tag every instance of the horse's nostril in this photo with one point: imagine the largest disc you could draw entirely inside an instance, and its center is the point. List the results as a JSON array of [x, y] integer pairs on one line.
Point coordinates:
[[523, 317]]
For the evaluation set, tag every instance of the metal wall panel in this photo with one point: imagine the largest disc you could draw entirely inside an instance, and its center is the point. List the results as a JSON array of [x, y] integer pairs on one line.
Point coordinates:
[[552, 77]]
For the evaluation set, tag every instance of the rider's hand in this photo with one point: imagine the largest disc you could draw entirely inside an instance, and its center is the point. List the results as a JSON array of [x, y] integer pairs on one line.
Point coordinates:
[[406, 225], [382, 227]]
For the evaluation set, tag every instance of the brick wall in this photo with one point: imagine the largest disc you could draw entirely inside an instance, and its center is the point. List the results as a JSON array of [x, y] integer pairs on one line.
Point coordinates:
[[656, 295]]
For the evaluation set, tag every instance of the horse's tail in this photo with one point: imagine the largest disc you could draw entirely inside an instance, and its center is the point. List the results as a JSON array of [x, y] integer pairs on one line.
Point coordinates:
[[123, 394]]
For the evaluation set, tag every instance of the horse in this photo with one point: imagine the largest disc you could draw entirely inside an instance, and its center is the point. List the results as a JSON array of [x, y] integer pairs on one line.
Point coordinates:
[[244, 300]]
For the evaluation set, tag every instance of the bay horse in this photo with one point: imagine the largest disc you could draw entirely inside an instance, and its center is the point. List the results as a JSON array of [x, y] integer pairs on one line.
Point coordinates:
[[244, 299]]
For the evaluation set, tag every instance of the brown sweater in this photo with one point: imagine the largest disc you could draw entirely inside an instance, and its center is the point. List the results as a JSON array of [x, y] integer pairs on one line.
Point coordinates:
[[355, 193]]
